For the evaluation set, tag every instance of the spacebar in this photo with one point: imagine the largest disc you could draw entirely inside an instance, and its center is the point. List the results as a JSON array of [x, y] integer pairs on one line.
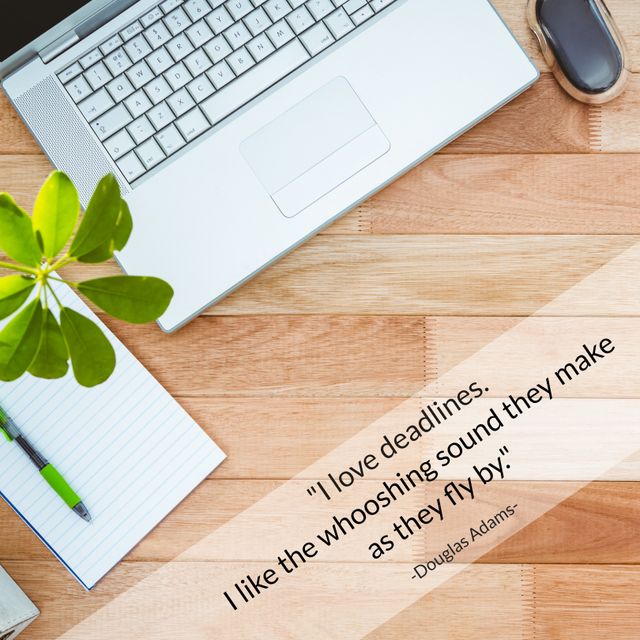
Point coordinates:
[[254, 81]]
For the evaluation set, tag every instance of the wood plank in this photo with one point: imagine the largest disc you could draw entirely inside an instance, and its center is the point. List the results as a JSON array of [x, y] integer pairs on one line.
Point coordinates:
[[617, 122], [515, 194], [555, 123], [417, 275], [354, 356], [596, 525], [585, 602], [552, 601], [63, 605]]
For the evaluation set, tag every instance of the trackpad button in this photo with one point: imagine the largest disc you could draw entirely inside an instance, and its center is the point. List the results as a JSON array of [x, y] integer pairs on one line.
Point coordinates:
[[314, 147]]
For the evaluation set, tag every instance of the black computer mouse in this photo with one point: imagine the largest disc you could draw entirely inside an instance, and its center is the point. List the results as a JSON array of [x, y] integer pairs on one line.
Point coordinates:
[[583, 46]]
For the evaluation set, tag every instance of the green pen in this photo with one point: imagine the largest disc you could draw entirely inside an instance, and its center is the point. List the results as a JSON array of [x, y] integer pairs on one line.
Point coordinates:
[[47, 470]]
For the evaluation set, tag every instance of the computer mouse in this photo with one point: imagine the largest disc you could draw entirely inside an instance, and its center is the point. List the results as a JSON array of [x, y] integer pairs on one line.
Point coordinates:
[[583, 46]]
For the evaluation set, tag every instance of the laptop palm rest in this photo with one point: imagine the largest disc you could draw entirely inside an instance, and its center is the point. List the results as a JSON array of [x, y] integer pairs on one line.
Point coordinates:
[[314, 147]]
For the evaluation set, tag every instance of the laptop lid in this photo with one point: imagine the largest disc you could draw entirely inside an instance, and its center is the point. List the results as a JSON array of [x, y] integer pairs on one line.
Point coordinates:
[[43, 28]]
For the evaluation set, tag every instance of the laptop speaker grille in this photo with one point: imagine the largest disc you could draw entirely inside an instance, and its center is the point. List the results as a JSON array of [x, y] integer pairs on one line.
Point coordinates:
[[64, 137]]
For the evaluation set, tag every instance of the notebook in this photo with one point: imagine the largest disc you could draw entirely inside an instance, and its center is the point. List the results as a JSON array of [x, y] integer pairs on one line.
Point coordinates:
[[127, 448]]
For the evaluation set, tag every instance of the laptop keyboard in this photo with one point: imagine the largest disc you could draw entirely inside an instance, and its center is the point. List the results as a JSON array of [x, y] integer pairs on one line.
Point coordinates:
[[186, 65]]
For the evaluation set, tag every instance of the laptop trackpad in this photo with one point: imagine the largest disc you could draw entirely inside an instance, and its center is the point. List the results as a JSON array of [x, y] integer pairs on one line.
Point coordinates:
[[314, 147]]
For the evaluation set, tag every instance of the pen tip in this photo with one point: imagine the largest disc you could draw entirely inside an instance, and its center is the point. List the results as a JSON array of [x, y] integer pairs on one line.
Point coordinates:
[[83, 512]]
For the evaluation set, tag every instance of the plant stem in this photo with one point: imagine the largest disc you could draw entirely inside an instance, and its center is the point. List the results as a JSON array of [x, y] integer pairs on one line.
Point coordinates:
[[71, 284], [66, 259], [15, 267]]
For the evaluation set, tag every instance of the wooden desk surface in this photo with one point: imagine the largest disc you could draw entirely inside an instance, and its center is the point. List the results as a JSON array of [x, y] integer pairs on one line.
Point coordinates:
[[488, 230]]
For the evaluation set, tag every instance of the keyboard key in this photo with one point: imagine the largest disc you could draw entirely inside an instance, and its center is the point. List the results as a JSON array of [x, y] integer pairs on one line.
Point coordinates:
[[97, 76], [119, 144], [120, 88], [221, 74], [110, 122], [91, 58], [70, 72], [254, 82], [152, 16], [131, 31], [199, 33], [140, 74], [170, 140], [339, 23], [138, 103], [160, 61], [280, 33], [200, 88], [218, 49], [150, 153], [118, 62], [361, 15], [277, 9], [178, 76], [351, 6], [320, 8], [170, 5], [240, 61], [131, 167], [137, 48], [157, 35], [141, 129], [239, 8], [161, 115], [260, 47], [238, 35], [198, 62], [298, 3], [317, 38], [177, 21], [379, 5], [219, 20], [192, 124], [300, 19], [111, 44], [179, 47], [257, 21], [180, 102], [197, 9], [158, 89], [95, 105]]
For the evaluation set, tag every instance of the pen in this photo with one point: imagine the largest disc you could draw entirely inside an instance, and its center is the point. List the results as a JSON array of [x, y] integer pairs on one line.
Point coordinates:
[[47, 470]]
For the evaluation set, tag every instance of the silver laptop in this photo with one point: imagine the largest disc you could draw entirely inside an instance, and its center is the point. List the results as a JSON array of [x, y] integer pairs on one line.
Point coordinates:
[[239, 128]]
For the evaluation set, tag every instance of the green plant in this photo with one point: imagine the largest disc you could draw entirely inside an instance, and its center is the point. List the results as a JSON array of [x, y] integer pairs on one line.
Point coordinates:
[[34, 339]]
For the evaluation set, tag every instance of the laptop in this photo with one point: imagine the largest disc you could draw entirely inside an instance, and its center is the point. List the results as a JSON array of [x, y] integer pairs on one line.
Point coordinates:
[[238, 129]]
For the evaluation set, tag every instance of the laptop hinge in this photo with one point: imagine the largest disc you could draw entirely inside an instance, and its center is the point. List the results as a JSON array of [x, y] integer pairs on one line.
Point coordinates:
[[59, 46]]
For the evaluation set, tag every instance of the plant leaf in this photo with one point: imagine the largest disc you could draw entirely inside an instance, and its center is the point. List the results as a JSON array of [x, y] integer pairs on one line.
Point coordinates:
[[51, 360], [92, 356], [136, 299], [17, 239], [55, 213], [99, 219], [124, 227], [19, 341], [116, 242], [14, 290]]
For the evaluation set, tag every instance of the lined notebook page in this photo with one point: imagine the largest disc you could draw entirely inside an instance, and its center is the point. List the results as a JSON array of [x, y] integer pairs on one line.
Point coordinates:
[[127, 448]]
